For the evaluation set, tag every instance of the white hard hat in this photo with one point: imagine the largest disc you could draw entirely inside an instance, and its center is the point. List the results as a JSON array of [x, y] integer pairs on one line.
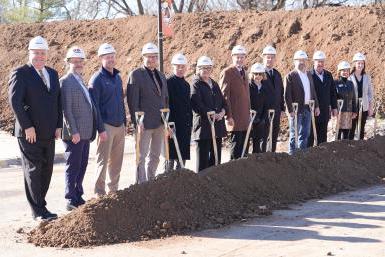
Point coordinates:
[[359, 57], [179, 59], [257, 68], [238, 49], [75, 52], [204, 61], [300, 55], [38, 43], [150, 48], [269, 50], [106, 49], [343, 65], [319, 55]]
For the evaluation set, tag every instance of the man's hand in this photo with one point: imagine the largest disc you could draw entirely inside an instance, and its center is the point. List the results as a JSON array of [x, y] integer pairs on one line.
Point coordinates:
[[334, 112], [58, 133], [370, 112], [354, 115], [76, 138], [230, 122], [291, 114], [103, 136], [316, 111], [30, 135]]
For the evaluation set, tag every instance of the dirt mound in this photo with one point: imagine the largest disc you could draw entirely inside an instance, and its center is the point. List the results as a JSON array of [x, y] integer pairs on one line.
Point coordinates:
[[183, 201], [339, 31]]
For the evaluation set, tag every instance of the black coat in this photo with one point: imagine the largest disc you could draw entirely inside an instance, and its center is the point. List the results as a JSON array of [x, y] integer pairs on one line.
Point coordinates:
[[326, 94], [32, 103], [345, 91], [203, 100], [260, 102], [180, 113], [274, 89]]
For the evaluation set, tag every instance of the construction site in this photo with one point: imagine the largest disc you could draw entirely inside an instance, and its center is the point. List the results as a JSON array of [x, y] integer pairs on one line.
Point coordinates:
[[327, 200]]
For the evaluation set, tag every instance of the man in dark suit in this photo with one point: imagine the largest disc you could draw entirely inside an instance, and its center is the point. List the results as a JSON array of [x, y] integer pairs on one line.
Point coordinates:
[[274, 91], [80, 124], [326, 95], [34, 96], [299, 88], [147, 92]]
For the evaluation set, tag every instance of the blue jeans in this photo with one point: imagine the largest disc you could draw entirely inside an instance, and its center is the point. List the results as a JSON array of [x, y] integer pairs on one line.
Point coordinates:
[[304, 125]]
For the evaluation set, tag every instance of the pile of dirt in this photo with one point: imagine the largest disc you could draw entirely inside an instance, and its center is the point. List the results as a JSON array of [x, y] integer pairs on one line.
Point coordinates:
[[339, 31], [182, 201]]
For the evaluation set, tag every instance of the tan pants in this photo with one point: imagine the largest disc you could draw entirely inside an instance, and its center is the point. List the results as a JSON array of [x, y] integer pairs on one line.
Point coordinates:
[[109, 155], [150, 144]]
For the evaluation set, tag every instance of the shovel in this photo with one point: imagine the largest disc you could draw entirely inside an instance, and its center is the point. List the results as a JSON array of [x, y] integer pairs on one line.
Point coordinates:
[[376, 119], [271, 114], [252, 117], [340, 103], [171, 126], [165, 113], [139, 117], [211, 118], [359, 119], [295, 109], [312, 107]]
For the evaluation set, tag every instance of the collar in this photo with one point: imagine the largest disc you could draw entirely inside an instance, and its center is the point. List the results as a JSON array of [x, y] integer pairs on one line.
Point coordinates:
[[108, 74]]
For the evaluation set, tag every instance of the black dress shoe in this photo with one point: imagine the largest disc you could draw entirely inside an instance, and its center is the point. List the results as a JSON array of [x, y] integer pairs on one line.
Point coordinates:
[[81, 201], [47, 216]]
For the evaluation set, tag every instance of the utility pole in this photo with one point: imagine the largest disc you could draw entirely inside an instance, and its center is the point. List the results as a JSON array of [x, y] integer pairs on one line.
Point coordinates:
[[160, 35]]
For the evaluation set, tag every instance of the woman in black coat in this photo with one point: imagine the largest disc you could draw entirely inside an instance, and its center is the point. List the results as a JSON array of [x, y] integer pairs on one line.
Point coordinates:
[[259, 102], [345, 91], [180, 111], [206, 96]]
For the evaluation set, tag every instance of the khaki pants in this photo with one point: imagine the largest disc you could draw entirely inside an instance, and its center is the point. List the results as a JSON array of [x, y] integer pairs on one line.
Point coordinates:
[[109, 155], [150, 144]]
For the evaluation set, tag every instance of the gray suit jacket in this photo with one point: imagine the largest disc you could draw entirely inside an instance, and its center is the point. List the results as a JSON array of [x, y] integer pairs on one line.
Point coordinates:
[[142, 95], [78, 115]]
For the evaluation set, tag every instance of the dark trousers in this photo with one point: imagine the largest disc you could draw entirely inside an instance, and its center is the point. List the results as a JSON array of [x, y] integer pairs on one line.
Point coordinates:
[[76, 156], [259, 138], [275, 132], [322, 133], [205, 153], [237, 141], [37, 162], [343, 134], [354, 126]]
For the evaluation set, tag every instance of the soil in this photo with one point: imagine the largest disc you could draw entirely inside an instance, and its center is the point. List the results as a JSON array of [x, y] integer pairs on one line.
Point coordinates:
[[183, 201], [339, 31]]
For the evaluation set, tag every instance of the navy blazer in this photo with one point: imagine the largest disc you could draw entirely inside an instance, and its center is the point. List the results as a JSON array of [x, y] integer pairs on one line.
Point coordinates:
[[33, 104]]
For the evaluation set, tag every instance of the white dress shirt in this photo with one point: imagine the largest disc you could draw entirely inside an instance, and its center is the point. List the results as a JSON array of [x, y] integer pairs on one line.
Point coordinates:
[[84, 88], [306, 85]]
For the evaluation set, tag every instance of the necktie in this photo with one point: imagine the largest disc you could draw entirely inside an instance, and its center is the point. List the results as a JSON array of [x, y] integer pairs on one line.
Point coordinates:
[[242, 73], [43, 78], [271, 73], [156, 81]]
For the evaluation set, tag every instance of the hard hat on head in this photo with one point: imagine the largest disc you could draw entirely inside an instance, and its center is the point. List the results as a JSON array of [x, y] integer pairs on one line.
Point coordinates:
[[106, 49], [344, 65], [300, 55], [319, 55], [179, 59], [359, 57], [238, 49], [257, 68], [204, 61], [75, 52], [38, 43], [150, 48], [269, 50]]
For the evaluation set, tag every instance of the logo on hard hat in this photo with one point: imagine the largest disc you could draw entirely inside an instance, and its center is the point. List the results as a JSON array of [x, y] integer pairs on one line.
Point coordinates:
[[77, 50]]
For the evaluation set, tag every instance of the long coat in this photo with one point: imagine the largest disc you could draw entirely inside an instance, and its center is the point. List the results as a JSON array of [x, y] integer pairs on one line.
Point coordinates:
[[180, 113], [203, 100], [260, 102]]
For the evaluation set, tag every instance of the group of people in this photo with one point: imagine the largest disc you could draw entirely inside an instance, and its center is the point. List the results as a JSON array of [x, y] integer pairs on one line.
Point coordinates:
[[48, 108]]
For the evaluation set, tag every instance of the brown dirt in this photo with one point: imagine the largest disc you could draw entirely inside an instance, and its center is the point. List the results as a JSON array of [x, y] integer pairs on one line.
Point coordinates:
[[339, 31], [180, 202]]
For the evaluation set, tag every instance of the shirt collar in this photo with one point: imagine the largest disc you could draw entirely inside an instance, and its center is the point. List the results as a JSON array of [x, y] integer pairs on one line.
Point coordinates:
[[107, 73]]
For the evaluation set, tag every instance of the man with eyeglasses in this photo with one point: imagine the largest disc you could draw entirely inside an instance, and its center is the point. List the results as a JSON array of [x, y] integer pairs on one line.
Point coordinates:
[[147, 92]]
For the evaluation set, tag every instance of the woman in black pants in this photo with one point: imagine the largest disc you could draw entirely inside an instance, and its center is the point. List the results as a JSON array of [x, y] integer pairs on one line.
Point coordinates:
[[259, 103], [206, 96], [345, 91]]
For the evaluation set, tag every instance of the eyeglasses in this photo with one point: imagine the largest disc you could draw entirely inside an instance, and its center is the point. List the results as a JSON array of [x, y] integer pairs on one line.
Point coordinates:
[[258, 74], [205, 68]]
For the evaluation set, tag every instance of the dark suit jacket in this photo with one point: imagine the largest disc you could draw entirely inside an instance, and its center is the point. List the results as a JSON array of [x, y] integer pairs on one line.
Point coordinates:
[[235, 90], [203, 100], [142, 95], [326, 94], [274, 89], [79, 116], [294, 92], [32, 103]]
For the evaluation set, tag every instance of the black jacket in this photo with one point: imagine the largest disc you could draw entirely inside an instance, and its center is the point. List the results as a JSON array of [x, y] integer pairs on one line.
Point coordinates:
[[345, 91], [326, 94], [203, 100], [180, 113], [32, 103], [275, 91], [260, 102]]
